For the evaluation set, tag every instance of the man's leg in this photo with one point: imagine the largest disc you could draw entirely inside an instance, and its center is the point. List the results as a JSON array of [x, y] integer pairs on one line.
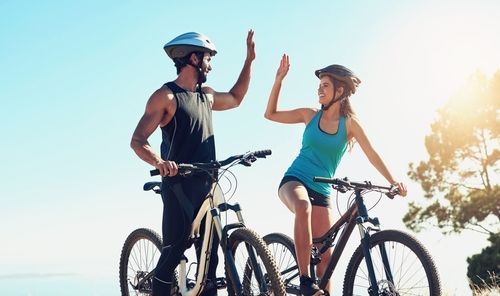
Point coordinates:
[[175, 231]]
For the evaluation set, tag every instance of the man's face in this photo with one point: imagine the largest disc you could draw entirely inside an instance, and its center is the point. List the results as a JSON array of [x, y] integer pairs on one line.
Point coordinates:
[[205, 67]]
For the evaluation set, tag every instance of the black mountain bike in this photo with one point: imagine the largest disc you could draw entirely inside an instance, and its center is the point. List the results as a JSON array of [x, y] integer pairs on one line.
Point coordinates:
[[387, 262], [250, 268]]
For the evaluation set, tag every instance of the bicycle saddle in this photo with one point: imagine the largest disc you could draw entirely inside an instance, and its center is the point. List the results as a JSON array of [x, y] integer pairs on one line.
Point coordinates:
[[151, 186]]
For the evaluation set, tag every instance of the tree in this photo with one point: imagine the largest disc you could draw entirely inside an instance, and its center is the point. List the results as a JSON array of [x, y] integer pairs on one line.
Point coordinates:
[[484, 268], [461, 177]]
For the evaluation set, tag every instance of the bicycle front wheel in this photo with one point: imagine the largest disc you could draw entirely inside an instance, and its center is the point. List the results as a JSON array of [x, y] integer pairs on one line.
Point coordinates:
[[408, 263], [283, 250], [254, 265]]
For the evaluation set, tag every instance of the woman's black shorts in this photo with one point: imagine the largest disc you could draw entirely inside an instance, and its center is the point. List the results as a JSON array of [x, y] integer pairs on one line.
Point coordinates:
[[316, 198]]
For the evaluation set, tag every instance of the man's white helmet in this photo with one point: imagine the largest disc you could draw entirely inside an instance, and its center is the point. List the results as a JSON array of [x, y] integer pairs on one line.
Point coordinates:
[[186, 43]]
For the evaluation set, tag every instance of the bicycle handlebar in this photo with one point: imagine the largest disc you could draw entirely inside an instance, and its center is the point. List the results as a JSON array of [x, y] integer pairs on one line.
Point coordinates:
[[245, 159], [343, 185]]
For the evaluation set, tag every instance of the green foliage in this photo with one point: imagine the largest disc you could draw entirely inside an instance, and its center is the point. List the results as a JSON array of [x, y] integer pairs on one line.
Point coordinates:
[[484, 268], [461, 177]]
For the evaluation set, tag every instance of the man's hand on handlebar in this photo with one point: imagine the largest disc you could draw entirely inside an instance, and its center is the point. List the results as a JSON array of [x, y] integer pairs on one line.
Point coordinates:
[[167, 168]]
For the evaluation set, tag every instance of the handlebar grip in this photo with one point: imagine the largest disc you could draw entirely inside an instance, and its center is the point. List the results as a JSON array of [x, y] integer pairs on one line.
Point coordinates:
[[181, 167], [323, 180], [262, 153]]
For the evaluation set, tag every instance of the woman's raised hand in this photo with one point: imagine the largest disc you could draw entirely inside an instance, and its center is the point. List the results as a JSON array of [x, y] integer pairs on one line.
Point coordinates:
[[283, 68]]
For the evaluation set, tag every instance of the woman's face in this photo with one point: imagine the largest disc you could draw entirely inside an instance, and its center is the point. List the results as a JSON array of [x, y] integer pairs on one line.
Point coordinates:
[[325, 90]]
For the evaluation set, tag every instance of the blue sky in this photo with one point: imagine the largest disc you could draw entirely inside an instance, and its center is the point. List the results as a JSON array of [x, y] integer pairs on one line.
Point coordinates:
[[75, 77]]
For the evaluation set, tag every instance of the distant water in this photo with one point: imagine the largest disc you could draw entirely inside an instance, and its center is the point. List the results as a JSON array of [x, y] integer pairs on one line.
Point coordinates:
[[57, 285]]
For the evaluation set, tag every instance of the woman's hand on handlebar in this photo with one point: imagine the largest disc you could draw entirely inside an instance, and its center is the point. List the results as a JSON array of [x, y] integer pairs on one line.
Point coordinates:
[[167, 168], [401, 188]]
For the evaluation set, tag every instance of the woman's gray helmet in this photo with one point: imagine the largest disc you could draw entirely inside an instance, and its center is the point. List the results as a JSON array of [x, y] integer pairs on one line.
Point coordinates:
[[187, 43], [341, 73]]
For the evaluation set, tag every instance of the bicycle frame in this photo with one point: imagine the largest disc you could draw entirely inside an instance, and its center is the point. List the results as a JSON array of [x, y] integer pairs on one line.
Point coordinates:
[[211, 209], [213, 199], [357, 214]]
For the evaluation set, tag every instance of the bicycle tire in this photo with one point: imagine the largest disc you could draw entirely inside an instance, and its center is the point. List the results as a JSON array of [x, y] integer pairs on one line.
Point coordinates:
[[239, 240], [412, 267], [138, 257], [282, 249]]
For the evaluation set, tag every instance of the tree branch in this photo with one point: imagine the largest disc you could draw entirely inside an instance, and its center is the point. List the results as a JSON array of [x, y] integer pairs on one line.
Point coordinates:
[[480, 226], [479, 231], [484, 162], [462, 185]]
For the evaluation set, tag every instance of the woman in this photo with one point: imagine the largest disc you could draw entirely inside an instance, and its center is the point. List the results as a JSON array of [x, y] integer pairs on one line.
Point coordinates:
[[328, 132]]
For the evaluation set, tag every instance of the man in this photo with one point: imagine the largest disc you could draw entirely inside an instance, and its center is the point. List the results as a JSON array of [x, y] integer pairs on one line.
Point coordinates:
[[183, 110]]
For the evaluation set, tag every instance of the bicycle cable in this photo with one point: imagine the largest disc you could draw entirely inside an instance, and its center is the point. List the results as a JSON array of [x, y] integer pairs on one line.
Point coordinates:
[[379, 197], [230, 191]]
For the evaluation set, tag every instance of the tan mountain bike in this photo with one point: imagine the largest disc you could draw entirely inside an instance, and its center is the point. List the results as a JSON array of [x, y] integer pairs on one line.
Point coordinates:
[[250, 269]]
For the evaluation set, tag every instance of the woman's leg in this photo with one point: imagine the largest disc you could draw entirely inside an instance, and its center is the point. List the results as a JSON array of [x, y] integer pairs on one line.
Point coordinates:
[[294, 195], [322, 220]]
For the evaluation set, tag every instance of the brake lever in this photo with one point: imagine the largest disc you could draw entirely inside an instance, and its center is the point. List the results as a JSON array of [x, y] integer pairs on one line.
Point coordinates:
[[390, 195], [247, 161], [341, 189], [186, 173], [392, 192]]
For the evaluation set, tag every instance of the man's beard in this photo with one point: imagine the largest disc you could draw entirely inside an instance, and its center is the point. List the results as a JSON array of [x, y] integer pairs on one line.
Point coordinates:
[[202, 78]]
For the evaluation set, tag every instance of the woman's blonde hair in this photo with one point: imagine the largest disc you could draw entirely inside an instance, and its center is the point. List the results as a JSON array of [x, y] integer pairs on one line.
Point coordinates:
[[346, 109]]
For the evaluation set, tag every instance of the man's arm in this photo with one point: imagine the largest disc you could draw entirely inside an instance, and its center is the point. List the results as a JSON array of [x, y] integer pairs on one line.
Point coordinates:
[[156, 114], [233, 98]]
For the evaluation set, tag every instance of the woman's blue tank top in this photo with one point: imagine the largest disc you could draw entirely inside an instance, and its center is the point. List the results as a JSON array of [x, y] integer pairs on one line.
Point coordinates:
[[320, 154]]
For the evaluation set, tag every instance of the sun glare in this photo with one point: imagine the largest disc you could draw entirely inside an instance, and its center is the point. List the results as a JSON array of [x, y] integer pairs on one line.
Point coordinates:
[[435, 57]]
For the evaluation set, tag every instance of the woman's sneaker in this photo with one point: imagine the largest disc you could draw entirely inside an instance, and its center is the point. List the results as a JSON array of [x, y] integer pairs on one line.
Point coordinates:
[[308, 287]]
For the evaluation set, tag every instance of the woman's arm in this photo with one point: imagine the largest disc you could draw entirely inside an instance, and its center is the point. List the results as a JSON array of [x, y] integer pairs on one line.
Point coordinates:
[[358, 133], [290, 116]]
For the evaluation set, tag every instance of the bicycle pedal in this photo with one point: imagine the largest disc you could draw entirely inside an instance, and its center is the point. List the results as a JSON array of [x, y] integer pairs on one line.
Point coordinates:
[[315, 261], [220, 283]]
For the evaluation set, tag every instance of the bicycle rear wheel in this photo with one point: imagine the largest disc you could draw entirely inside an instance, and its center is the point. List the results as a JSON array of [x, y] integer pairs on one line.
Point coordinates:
[[254, 264], [410, 264], [282, 249], [139, 256]]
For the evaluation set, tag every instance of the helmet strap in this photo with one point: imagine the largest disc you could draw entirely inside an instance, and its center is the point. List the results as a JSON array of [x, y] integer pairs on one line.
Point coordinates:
[[199, 71], [333, 100]]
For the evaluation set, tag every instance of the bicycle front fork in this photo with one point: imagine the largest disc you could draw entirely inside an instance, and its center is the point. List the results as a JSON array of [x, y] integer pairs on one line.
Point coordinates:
[[365, 244]]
